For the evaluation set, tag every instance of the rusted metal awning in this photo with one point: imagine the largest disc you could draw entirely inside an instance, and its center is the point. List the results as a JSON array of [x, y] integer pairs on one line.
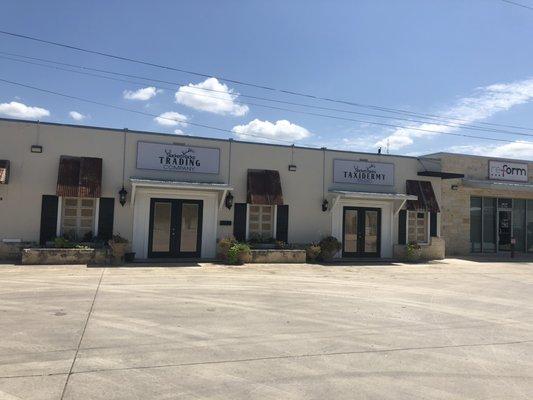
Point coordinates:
[[264, 187], [425, 194], [79, 177], [4, 172]]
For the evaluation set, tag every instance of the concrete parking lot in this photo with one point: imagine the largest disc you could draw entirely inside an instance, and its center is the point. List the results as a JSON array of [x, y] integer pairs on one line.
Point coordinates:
[[448, 330]]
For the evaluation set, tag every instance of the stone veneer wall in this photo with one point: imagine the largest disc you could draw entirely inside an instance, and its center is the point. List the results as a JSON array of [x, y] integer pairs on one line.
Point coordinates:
[[433, 251], [455, 204]]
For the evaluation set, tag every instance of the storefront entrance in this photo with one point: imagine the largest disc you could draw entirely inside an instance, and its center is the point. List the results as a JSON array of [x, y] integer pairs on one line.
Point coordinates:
[[361, 232], [175, 228]]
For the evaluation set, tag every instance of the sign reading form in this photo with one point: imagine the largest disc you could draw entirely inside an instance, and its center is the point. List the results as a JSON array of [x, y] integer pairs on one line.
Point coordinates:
[[363, 172], [508, 171], [171, 157]]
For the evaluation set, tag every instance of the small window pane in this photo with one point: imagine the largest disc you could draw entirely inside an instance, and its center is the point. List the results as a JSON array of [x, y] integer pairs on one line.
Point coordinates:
[[87, 202], [71, 202], [70, 212]]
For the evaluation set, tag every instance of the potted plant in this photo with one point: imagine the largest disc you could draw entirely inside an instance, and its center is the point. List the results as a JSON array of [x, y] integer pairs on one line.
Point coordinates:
[[312, 252], [223, 247], [329, 246], [239, 253], [413, 251], [118, 246]]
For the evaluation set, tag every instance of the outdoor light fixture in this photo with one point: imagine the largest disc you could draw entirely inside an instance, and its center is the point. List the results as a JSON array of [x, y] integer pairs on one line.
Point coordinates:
[[455, 187], [122, 196], [292, 167], [325, 204], [229, 201], [36, 148]]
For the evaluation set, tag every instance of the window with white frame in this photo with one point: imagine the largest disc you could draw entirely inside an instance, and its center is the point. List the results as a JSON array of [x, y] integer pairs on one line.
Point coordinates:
[[260, 221], [418, 227], [77, 217]]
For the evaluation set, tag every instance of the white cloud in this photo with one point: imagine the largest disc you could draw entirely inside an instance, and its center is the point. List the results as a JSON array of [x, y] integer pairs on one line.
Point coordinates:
[[280, 130], [76, 116], [142, 94], [179, 132], [487, 101], [519, 149], [216, 98], [171, 118], [19, 110]]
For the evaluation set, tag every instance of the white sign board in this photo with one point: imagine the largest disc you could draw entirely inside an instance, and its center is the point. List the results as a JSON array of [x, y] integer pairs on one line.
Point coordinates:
[[508, 171], [363, 172], [171, 157]]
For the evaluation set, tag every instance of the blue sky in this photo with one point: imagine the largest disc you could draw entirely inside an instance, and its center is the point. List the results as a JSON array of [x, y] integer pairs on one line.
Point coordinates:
[[468, 60]]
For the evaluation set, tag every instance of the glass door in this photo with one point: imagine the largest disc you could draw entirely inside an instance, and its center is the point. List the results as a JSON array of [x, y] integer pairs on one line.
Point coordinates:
[[504, 230], [361, 232], [175, 229]]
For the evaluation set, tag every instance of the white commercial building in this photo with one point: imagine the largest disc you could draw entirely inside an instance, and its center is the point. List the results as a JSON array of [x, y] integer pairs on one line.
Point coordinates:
[[185, 192]]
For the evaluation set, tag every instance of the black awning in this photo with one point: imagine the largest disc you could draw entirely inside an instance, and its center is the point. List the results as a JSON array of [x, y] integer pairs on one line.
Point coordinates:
[[442, 175], [264, 187], [4, 172], [79, 177], [426, 196]]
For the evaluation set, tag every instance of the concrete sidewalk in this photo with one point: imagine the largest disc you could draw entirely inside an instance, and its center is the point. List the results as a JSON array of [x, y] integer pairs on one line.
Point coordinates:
[[449, 330]]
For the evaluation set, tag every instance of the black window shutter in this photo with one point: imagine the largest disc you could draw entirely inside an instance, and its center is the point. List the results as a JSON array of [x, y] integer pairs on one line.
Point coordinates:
[[105, 218], [48, 218], [433, 224], [239, 222], [402, 225], [282, 223]]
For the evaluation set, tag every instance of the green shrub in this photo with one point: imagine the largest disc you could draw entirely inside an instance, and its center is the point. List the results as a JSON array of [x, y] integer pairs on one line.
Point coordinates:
[[329, 246], [412, 251], [312, 252], [63, 243], [223, 247], [239, 253]]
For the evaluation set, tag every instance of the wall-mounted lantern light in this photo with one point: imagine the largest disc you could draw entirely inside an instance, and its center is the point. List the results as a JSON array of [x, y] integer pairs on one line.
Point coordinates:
[[455, 187], [36, 148], [325, 205], [228, 201], [122, 193], [292, 167]]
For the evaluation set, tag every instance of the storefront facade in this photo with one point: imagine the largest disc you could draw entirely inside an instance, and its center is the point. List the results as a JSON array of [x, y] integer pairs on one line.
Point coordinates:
[[490, 209], [173, 196]]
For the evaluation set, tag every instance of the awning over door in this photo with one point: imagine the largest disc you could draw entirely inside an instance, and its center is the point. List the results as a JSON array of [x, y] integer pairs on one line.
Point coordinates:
[[79, 177], [426, 196], [264, 187], [4, 172]]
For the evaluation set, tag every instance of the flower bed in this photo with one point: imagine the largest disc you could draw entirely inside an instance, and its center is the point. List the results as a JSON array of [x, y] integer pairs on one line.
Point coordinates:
[[43, 256], [278, 256]]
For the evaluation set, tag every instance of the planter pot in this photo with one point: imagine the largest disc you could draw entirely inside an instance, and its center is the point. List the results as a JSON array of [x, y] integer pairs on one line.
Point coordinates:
[[129, 257], [244, 257], [118, 250]]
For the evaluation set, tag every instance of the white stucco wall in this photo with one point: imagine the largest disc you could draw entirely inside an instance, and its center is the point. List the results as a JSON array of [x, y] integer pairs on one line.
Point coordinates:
[[33, 175]]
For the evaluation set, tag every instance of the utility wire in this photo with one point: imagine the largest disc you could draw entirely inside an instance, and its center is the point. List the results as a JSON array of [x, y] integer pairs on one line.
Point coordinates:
[[517, 4], [458, 126], [290, 92], [139, 112], [229, 131]]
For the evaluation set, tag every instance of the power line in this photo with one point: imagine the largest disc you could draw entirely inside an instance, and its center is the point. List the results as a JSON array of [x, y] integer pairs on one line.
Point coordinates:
[[458, 126], [239, 82], [227, 130], [517, 4], [139, 112]]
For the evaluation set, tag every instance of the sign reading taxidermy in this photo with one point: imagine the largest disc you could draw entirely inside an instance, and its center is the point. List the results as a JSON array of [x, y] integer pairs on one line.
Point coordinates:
[[363, 172], [171, 157], [507, 171]]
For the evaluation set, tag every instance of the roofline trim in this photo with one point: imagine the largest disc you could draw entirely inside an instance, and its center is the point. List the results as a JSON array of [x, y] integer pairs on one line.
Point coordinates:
[[288, 146]]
